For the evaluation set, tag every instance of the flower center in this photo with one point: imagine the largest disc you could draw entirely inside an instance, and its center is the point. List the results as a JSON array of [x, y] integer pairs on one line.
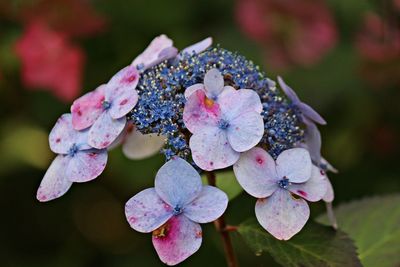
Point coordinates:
[[223, 124], [177, 210], [106, 105], [73, 150], [208, 102], [284, 183]]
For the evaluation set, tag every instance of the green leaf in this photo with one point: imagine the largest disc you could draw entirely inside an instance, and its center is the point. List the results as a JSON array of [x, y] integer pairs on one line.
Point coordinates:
[[315, 246], [374, 225], [227, 182]]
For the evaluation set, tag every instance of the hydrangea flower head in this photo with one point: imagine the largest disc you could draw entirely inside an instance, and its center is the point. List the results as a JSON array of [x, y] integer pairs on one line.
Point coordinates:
[[76, 160], [224, 121], [281, 187], [173, 209]]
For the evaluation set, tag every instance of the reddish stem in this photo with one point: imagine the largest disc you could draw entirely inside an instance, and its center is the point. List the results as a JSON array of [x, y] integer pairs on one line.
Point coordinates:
[[224, 230]]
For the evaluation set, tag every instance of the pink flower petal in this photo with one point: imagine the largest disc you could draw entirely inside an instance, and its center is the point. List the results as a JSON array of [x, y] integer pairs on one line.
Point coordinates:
[[245, 131], [198, 47], [294, 164], [208, 206], [191, 89], [146, 212], [151, 53], [86, 165], [165, 54], [139, 146], [54, 183], [87, 109], [63, 136], [200, 111], [282, 215], [211, 149], [236, 102], [178, 239], [314, 188], [255, 172], [177, 183], [213, 83], [329, 195], [105, 130]]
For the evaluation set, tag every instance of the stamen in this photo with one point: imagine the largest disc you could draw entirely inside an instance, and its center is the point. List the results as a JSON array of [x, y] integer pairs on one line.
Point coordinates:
[[177, 210], [223, 124], [106, 105], [284, 183], [73, 150]]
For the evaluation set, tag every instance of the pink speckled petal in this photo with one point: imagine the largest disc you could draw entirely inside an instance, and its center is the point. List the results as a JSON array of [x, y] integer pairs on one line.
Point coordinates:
[[211, 149], [208, 206], [139, 146], [63, 136], [181, 239], [245, 131], [86, 165], [191, 89], [123, 101], [289, 92], [282, 215], [145, 211], [198, 47], [177, 182], [236, 102], [256, 173], [152, 52], [329, 195], [294, 164], [311, 114], [200, 112], [105, 131], [54, 183], [165, 54], [86, 109], [213, 83], [314, 188]]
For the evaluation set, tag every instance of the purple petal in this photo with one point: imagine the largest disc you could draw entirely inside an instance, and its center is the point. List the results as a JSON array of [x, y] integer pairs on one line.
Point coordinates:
[[311, 114], [282, 215], [255, 172], [191, 89], [54, 183], [289, 92], [152, 52], [123, 101], [211, 149], [233, 103], [105, 130], [146, 212], [329, 195], [294, 164], [245, 131], [200, 112], [63, 136], [198, 47], [328, 166], [213, 83], [86, 165], [312, 141], [208, 206], [86, 109], [178, 239], [314, 188], [177, 183], [139, 146]]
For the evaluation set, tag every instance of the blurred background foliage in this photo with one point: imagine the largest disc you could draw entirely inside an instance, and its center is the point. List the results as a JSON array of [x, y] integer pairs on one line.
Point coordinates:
[[342, 57]]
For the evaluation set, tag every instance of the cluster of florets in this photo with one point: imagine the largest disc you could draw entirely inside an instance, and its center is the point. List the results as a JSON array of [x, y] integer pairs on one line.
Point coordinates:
[[160, 106], [207, 109]]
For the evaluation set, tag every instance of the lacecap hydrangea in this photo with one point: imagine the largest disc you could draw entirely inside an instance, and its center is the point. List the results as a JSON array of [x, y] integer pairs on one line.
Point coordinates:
[[205, 108]]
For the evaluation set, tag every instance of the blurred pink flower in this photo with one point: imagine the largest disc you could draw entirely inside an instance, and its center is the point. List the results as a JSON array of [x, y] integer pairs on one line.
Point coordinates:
[[50, 61], [291, 32], [73, 17], [379, 45]]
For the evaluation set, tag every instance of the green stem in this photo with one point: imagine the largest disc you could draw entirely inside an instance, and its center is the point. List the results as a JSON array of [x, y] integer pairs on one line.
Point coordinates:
[[224, 229]]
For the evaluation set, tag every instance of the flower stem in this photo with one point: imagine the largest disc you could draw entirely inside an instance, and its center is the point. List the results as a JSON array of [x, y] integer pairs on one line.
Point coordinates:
[[224, 229]]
